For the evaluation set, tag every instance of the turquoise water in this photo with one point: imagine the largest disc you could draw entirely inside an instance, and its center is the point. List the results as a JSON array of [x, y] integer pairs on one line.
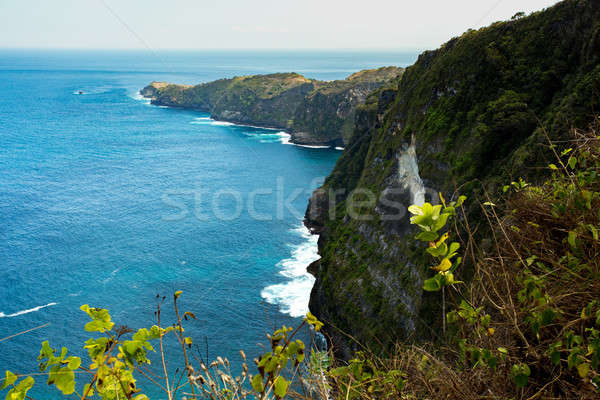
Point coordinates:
[[107, 200]]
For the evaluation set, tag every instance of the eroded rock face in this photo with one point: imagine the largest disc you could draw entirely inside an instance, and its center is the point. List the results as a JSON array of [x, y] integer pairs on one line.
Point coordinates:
[[313, 112], [317, 211]]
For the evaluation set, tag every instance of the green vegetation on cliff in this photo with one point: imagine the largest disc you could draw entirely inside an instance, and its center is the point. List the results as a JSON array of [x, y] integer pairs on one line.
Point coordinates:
[[468, 116], [314, 112]]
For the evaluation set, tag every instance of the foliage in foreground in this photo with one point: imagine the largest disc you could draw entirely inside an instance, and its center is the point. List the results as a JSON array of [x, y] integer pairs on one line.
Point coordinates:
[[528, 324], [118, 357]]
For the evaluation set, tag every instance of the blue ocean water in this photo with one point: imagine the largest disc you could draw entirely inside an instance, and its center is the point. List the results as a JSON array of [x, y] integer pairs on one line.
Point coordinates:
[[108, 201]]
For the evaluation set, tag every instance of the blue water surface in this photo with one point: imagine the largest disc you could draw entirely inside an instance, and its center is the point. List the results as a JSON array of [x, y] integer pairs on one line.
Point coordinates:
[[108, 201]]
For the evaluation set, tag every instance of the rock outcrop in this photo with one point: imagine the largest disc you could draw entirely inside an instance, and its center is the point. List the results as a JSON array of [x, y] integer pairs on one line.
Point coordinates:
[[313, 112]]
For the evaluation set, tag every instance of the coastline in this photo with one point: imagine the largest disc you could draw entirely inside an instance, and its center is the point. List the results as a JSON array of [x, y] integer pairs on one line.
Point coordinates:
[[287, 139]]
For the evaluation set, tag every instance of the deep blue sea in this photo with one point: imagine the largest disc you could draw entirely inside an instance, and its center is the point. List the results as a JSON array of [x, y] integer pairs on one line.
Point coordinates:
[[107, 200]]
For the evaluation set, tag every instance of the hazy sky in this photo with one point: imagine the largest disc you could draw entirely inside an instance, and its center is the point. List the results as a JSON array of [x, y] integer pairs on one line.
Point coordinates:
[[202, 24]]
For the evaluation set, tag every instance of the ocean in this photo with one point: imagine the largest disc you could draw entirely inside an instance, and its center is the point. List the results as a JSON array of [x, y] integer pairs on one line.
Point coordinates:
[[109, 201]]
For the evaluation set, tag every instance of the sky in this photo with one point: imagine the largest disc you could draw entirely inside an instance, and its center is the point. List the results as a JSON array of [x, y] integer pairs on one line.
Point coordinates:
[[243, 24]]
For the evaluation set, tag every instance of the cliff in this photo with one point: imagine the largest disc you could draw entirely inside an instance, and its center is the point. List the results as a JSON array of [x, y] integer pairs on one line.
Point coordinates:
[[469, 116], [313, 112]]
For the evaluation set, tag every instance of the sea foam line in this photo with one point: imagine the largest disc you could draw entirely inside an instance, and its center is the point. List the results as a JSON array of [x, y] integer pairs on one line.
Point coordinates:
[[293, 296], [285, 137], [34, 309]]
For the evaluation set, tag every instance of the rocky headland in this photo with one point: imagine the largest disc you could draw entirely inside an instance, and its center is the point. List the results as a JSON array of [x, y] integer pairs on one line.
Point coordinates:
[[314, 112]]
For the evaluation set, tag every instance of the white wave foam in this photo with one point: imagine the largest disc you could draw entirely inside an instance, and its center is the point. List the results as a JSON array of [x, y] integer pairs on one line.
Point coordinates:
[[221, 123], [138, 96], [202, 121], [312, 147], [339, 148], [111, 276], [292, 296], [264, 137], [34, 309], [96, 90], [255, 127], [285, 137]]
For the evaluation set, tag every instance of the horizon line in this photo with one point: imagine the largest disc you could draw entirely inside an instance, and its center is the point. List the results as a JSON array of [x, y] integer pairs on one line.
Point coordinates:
[[362, 49]]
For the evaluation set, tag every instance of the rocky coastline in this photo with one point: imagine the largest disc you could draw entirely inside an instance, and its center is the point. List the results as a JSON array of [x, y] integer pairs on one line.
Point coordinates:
[[314, 113]]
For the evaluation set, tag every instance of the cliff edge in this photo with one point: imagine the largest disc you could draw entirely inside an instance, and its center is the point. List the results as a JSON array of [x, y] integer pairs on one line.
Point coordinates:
[[470, 116]]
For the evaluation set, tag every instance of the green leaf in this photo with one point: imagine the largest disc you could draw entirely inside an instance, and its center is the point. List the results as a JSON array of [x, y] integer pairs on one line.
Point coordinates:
[[572, 162], [177, 294], [100, 319], [9, 380], [26, 384], [454, 246], [19, 392], [438, 251], [450, 210], [440, 222], [521, 380], [461, 200], [427, 236], [444, 265], [448, 279], [548, 316], [96, 346], [313, 321], [572, 239], [281, 386], [520, 374], [64, 379], [74, 363], [433, 284], [46, 351], [553, 167], [257, 384], [555, 356], [416, 210], [583, 369]]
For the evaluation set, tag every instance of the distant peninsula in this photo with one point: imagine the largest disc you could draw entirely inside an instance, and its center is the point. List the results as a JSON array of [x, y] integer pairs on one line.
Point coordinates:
[[314, 112]]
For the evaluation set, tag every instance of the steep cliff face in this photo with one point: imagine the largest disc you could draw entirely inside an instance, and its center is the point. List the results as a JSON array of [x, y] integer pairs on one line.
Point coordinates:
[[466, 116], [314, 112]]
